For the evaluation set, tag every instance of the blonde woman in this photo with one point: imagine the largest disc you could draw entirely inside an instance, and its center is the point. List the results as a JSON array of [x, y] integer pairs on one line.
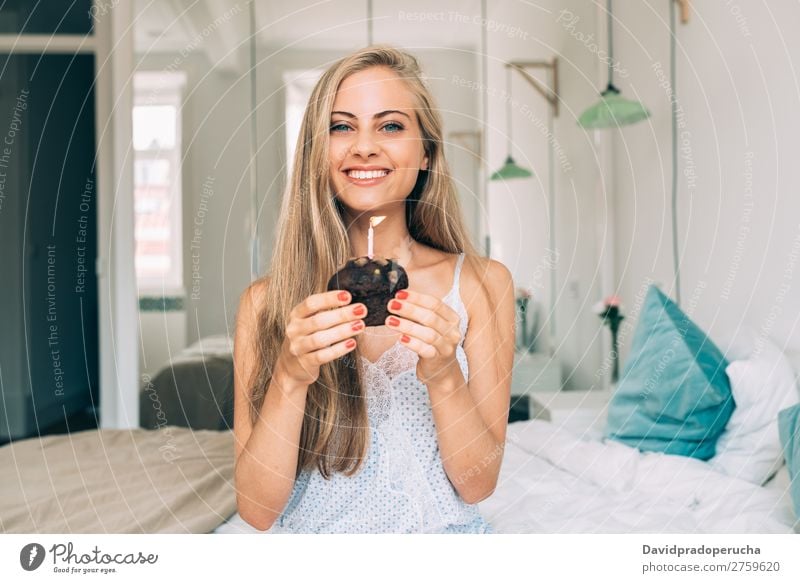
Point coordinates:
[[393, 428]]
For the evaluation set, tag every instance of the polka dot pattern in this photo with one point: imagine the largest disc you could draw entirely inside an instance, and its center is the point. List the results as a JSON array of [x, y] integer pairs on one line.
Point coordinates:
[[401, 486]]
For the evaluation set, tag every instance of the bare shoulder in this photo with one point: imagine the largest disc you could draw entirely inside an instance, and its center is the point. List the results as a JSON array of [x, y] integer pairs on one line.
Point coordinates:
[[253, 299], [483, 272]]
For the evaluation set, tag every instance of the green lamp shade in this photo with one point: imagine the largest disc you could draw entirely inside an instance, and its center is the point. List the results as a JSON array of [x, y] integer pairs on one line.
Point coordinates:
[[612, 111], [510, 170]]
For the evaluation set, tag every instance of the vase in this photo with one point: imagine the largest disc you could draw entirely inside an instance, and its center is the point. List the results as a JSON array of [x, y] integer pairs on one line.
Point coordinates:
[[525, 339], [614, 356]]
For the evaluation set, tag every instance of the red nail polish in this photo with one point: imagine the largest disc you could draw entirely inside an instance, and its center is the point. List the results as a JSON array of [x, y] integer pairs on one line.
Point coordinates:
[[395, 305], [393, 321], [401, 295], [357, 326], [405, 338], [343, 296], [350, 343], [359, 311]]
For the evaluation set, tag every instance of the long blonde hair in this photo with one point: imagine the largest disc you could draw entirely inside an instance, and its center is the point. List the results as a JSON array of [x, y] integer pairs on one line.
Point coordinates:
[[312, 243]]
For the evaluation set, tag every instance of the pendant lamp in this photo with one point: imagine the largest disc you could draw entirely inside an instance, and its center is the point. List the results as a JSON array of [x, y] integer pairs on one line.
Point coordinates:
[[510, 169], [612, 110]]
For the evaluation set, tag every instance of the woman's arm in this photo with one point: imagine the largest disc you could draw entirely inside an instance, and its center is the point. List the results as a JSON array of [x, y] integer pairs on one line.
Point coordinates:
[[471, 418], [265, 453]]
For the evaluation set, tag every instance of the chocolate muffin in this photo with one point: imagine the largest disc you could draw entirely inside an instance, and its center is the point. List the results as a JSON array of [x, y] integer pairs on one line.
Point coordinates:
[[372, 282]]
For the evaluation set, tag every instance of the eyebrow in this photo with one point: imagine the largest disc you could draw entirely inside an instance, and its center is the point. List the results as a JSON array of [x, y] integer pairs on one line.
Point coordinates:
[[377, 115]]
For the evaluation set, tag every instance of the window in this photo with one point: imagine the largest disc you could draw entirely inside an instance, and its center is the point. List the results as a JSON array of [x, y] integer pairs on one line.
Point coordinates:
[[299, 85], [157, 182]]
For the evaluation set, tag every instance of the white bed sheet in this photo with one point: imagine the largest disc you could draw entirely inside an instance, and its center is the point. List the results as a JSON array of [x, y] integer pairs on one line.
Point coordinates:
[[560, 476], [559, 480]]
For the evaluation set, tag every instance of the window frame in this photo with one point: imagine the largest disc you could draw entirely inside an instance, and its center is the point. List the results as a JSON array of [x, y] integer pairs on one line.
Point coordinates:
[[156, 88]]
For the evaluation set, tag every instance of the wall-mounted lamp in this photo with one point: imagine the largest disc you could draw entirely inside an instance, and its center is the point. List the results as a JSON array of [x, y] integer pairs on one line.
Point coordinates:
[[612, 110], [550, 94], [510, 168]]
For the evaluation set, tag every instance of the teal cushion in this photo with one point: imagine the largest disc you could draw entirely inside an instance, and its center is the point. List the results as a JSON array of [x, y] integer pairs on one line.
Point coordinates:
[[789, 430], [673, 396]]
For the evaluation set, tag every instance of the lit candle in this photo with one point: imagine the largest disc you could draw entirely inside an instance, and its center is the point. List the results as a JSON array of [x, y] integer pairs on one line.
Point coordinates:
[[373, 221]]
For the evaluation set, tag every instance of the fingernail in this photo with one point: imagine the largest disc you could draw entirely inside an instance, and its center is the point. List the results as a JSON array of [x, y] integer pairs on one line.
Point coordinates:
[[393, 321], [357, 326], [401, 295], [395, 305], [359, 311], [343, 296], [405, 338], [350, 343]]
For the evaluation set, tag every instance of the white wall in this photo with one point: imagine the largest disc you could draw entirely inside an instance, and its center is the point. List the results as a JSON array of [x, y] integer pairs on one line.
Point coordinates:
[[217, 182], [739, 212], [519, 209], [164, 335]]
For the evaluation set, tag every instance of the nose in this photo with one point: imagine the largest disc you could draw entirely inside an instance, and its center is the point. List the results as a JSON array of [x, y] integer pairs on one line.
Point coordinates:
[[364, 144]]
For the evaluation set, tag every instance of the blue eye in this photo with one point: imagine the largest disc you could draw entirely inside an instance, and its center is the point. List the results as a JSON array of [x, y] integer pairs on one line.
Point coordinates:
[[391, 127]]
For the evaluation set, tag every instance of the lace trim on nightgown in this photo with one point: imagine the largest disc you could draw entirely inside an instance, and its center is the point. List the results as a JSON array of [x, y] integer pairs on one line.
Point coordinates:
[[405, 470], [398, 359]]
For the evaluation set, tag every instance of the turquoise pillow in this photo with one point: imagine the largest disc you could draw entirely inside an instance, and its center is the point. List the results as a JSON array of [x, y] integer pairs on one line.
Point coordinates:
[[789, 430], [673, 396]]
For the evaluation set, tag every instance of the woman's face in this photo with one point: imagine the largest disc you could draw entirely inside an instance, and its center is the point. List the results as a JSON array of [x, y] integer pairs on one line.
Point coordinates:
[[376, 148]]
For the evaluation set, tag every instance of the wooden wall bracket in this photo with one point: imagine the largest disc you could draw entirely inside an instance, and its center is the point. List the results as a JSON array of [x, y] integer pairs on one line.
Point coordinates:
[[549, 93], [684, 4]]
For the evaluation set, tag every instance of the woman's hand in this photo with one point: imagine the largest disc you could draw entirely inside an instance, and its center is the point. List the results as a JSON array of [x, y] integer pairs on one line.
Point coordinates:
[[430, 328], [317, 333]]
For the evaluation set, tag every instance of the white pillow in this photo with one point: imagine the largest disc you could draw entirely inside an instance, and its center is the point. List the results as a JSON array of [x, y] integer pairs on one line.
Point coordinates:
[[736, 341], [762, 384]]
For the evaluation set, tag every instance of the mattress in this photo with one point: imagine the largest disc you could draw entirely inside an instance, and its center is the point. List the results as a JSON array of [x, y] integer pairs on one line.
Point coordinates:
[[562, 477]]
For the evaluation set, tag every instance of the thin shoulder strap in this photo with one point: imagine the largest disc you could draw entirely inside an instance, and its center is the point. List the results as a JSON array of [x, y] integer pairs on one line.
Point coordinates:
[[457, 276]]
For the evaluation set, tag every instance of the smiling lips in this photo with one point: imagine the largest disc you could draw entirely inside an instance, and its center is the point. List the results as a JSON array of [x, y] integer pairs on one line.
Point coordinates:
[[366, 177]]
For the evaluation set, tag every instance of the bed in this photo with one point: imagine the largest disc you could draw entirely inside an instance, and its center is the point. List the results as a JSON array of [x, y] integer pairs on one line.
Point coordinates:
[[558, 475], [194, 389], [561, 476]]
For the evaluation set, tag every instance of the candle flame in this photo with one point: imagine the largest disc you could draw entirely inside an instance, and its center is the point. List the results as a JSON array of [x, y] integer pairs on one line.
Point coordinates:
[[375, 221]]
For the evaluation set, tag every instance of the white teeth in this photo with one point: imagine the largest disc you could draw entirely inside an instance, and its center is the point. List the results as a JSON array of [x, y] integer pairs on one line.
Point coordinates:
[[366, 174]]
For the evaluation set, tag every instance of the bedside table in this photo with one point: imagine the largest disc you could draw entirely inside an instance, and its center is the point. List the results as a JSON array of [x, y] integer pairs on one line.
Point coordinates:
[[534, 372]]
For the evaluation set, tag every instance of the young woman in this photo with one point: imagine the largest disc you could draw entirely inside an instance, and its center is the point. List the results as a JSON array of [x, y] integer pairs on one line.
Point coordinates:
[[392, 428]]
